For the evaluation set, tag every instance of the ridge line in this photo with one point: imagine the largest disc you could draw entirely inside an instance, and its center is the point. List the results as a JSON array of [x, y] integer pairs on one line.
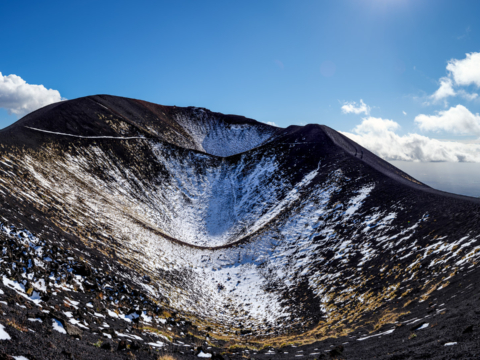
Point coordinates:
[[88, 137]]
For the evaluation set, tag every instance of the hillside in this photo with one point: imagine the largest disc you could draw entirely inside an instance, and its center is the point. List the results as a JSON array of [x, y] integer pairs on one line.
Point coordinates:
[[167, 228]]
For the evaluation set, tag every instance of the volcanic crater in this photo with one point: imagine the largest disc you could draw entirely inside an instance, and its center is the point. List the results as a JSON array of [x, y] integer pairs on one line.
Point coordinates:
[[188, 231]]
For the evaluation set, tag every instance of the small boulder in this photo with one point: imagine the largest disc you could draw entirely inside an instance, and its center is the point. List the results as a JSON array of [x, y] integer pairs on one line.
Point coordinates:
[[122, 345], [217, 356], [336, 351], [82, 269], [106, 346], [73, 330], [135, 346], [67, 354]]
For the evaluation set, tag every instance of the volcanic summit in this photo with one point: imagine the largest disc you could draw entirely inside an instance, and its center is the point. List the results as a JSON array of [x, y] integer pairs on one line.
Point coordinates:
[[135, 229]]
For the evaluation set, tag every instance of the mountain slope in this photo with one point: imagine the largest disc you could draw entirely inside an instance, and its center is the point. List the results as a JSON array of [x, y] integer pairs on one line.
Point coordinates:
[[236, 227]]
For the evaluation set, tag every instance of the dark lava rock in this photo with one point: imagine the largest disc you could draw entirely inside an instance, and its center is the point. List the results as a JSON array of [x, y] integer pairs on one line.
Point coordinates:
[[197, 350], [217, 356], [67, 354], [135, 345], [469, 329], [4, 356], [83, 269], [122, 345], [106, 346], [336, 351]]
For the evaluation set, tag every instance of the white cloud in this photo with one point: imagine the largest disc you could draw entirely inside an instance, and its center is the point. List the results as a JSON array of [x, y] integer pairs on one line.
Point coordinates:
[[404, 113], [351, 107], [466, 71], [467, 95], [445, 90], [379, 136], [456, 120], [272, 123], [20, 98], [463, 72], [377, 126]]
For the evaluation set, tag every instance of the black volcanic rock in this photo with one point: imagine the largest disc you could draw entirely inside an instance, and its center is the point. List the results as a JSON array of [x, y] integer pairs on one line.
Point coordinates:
[[155, 229]]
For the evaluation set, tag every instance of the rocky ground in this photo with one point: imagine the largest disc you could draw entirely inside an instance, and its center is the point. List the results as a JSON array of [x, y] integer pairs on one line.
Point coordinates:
[[63, 324]]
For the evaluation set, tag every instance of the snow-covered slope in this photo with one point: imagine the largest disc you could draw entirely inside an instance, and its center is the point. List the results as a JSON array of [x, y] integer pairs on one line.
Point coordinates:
[[219, 138]]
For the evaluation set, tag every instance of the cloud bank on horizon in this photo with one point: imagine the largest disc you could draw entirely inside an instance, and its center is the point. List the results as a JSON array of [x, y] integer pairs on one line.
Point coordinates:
[[380, 135], [457, 120], [20, 98]]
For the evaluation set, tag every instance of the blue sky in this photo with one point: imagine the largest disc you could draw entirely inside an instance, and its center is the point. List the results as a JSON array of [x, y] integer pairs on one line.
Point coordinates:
[[287, 62]]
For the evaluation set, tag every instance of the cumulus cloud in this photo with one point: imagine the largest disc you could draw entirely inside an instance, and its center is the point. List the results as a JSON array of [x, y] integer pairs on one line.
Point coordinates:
[[462, 72], [379, 136], [20, 98], [466, 71], [445, 90], [456, 120], [352, 107]]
